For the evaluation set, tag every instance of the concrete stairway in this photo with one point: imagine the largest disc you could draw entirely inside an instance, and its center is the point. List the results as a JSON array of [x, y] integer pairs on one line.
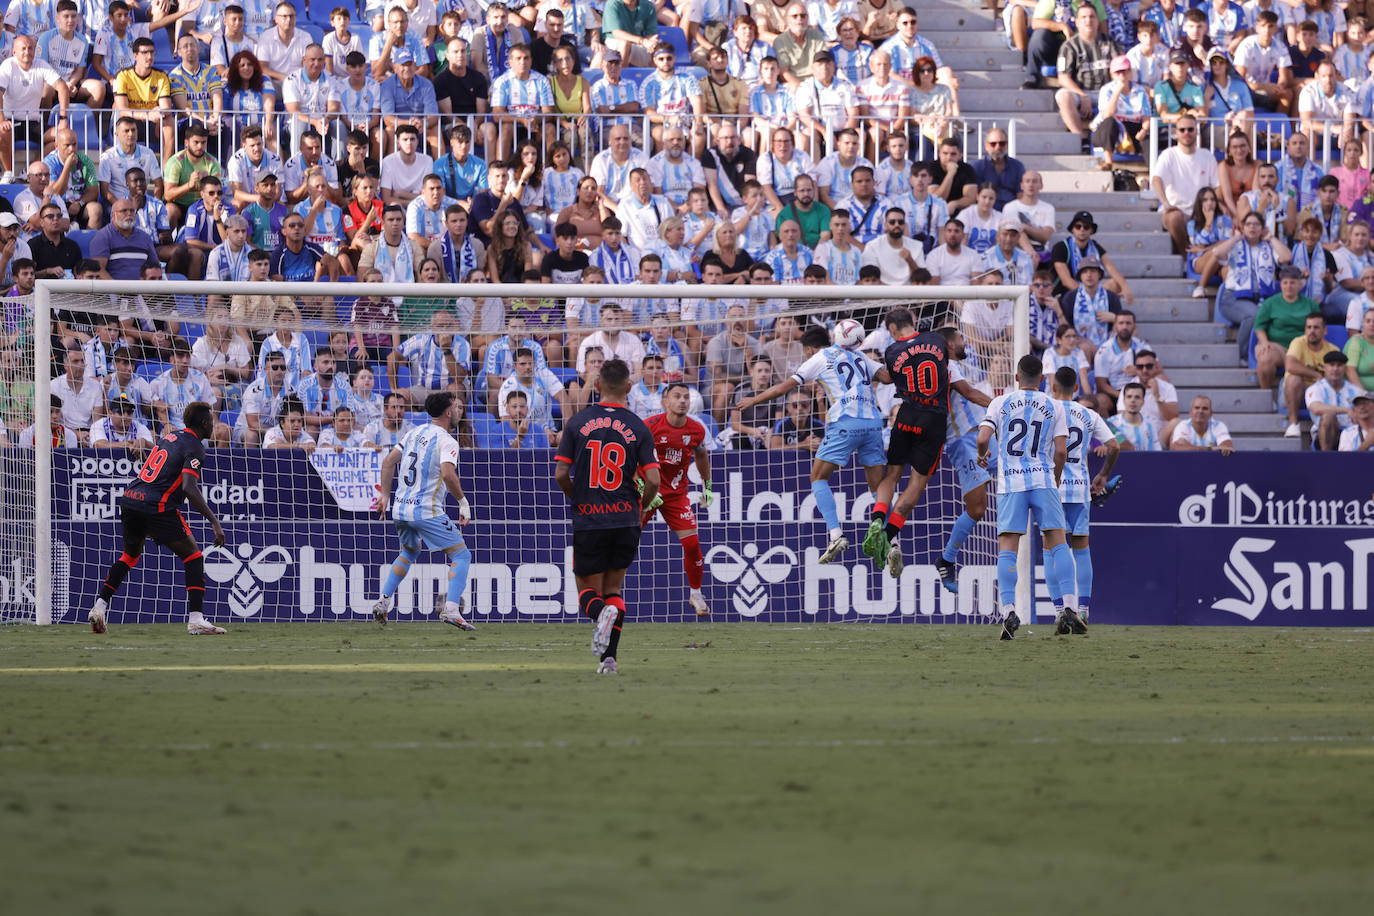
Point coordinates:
[[1195, 351]]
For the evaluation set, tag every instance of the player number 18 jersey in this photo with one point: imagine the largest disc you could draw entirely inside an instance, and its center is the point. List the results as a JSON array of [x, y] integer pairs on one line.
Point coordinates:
[[420, 490], [606, 444], [1026, 424]]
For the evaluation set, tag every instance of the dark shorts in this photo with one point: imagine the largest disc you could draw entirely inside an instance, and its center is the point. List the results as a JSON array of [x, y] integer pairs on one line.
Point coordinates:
[[163, 527], [918, 439], [598, 550]]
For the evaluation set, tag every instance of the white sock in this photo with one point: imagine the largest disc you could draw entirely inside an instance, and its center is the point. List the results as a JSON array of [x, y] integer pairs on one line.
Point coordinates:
[[1008, 610], [836, 532], [451, 609], [694, 592], [196, 616]]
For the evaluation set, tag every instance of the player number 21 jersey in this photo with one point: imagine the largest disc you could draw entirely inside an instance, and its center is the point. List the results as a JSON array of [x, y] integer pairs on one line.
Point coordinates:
[[847, 378], [420, 490], [606, 444], [1026, 424]]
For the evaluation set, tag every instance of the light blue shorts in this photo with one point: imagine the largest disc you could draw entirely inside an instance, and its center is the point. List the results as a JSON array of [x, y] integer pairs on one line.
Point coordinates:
[[438, 533], [1014, 511], [1076, 517], [845, 438], [962, 454]]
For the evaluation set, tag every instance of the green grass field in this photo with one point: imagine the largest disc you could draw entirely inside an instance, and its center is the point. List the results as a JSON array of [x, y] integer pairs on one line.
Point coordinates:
[[729, 769]]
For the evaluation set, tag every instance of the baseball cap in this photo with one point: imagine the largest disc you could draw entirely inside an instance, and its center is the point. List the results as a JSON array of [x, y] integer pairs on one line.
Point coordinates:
[[823, 56], [1180, 56], [1290, 272], [268, 176], [123, 403], [1336, 356], [1006, 224], [1086, 218], [1120, 64], [1367, 398], [610, 57], [402, 56], [8, 219], [1217, 52]]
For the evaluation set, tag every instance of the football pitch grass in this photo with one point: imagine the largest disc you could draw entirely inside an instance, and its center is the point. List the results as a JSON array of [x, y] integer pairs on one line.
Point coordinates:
[[731, 768]]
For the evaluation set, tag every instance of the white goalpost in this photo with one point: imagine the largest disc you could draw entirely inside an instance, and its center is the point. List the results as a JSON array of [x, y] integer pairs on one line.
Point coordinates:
[[302, 543]]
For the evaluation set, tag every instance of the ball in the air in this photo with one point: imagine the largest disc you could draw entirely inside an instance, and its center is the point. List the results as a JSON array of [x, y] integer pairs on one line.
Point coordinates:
[[847, 333]]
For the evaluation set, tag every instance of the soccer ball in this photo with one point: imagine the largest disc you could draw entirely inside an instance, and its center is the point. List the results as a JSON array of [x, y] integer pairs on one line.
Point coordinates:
[[847, 333]]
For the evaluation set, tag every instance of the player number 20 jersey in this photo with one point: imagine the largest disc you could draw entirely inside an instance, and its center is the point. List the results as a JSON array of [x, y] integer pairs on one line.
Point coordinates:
[[847, 378], [1026, 424], [420, 490]]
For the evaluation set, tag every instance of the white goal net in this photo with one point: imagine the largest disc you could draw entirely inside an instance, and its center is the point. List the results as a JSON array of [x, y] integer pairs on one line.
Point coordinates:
[[312, 384]]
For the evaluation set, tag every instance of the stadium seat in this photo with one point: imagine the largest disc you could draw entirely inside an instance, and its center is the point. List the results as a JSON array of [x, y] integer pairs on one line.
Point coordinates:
[[82, 237], [165, 58], [314, 30], [592, 76], [678, 39], [191, 331], [567, 375], [82, 121], [1338, 335], [11, 191]]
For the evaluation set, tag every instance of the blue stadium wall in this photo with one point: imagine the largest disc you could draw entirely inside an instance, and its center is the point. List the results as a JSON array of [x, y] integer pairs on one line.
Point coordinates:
[[1253, 539]]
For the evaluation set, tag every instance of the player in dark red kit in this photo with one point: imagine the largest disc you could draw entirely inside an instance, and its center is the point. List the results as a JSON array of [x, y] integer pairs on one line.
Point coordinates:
[[149, 509], [919, 367], [678, 440], [603, 447]]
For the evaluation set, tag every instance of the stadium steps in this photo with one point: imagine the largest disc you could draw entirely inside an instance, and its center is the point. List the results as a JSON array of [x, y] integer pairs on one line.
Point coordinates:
[[1173, 333], [1158, 310], [1229, 401]]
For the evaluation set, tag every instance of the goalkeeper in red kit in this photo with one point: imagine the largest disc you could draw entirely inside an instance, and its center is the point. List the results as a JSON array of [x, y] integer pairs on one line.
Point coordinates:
[[678, 440]]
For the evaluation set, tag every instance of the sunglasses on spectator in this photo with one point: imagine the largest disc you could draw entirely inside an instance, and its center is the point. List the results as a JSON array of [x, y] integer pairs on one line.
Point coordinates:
[[925, 70], [1186, 130], [997, 143], [1146, 365]]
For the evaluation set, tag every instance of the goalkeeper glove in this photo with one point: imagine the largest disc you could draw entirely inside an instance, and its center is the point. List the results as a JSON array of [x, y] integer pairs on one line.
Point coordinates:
[[653, 503], [707, 497], [464, 510]]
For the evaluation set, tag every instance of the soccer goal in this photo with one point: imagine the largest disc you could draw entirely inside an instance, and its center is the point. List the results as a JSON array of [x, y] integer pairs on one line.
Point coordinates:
[[337, 372]]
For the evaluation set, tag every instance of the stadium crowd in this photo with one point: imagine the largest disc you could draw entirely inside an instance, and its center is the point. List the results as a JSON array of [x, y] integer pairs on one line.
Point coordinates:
[[579, 142]]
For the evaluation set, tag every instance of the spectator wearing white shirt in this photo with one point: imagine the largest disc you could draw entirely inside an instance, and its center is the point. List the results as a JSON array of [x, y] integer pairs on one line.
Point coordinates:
[[1036, 216], [1359, 435], [223, 356], [1161, 397], [611, 340], [404, 171], [1330, 401], [26, 87], [121, 428], [1149, 57], [1180, 172], [1202, 432], [1114, 364], [179, 387], [1325, 105], [81, 396], [641, 211], [343, 432], [281, 50], [1263, 62], [825, 103], [953, 263], [541, 388], [385, 432], [895, 253], [290, 429]]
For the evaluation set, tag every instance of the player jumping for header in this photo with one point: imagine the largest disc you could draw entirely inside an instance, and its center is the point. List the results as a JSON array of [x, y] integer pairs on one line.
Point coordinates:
[[603, 447], [1032, 445], [428, 458], [679, 440], [149, 509], [854, 422], [967, 407], [919, 367], [1076, 491]]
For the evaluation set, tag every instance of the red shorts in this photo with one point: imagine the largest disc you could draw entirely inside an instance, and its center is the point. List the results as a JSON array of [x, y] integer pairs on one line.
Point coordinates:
[[677, 512]]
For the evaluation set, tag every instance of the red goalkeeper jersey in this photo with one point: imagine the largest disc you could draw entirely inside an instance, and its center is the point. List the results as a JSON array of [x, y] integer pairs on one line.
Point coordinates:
[[676, 447]]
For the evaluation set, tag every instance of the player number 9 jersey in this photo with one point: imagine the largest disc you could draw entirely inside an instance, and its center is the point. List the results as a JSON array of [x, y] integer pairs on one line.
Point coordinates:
[[158, 485]]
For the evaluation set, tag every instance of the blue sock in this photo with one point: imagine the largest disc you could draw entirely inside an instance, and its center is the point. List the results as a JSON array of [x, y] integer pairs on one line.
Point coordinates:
[[825, 502], [962, 529], [1006, 576], [399, 567], [458, 563], [1050, 560], [1059, 572], [1083, 560]]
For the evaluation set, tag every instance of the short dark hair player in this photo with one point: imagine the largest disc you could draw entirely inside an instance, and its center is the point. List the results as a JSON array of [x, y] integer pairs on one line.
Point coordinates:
[[149, 509], [603, 447]]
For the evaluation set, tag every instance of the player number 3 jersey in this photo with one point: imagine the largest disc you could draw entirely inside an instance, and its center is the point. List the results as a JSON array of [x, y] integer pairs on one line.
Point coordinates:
[[1026, 424], [606, 444], [420, 490]]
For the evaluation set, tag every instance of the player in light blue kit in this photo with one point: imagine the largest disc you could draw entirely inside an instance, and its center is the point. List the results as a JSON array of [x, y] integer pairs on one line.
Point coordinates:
[[1032, 445], [854, 423], [428, 460], [967, 407], [1085, 425]]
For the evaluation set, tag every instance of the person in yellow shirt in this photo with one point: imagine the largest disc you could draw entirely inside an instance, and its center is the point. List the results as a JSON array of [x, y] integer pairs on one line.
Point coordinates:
[[1303, 366], [144, 93]]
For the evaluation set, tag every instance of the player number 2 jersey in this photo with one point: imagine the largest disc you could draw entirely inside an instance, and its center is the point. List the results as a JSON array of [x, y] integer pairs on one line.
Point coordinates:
[[1025, 424], [158, 485], [847, 378], [676, 448], [606, 444], [920, 369], [1084, 426], [420, 490]]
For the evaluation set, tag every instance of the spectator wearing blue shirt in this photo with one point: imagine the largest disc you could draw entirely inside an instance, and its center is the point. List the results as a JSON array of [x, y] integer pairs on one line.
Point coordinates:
[[517, 430], [437, 361], [407, 98], [121, 248], [1227, 97], [425, 213], [1123, 113], [204, 219], [462, 173], [322, 393], [500, 358], [297, 261]]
